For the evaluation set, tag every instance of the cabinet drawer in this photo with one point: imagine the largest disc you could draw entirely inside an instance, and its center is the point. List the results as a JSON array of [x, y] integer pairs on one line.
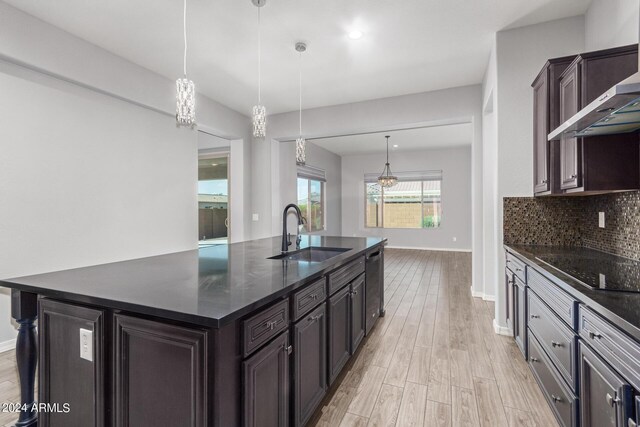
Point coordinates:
[[562, 401], [517, 267], [562, 304], [613, 345], [345, 274], [555, 337], [265, 325], [305, 300]]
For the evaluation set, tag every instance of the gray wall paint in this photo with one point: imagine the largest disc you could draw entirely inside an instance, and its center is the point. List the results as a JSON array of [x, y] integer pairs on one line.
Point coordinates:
[[90, 178], [456, 197], [611, 23]]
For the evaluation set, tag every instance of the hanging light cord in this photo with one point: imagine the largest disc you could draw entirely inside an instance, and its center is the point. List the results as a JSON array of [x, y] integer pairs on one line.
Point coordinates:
[[184, 27], [259, 55], [300, 91]]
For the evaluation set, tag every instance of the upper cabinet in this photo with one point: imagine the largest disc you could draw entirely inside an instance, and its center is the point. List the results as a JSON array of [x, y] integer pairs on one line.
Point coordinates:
[[546, 116], [582, 165]]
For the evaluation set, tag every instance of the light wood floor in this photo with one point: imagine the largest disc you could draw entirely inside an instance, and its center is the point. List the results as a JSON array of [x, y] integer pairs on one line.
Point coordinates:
[[433, 360]]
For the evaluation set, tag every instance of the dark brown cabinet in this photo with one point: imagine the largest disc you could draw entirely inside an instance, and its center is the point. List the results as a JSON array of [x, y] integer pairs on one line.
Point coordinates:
[[605, 396], [546, 117], [339, 331], [310, 364], [520, 315], [266, 385], [165, 358], [66, 377], [598, 163], [357, 312]]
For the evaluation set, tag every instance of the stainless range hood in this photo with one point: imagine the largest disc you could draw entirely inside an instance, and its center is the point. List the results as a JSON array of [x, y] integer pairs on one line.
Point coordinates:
[[615, 111]]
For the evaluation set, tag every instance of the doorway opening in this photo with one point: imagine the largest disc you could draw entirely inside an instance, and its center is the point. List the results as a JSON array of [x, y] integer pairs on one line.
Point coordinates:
[[213, 199]]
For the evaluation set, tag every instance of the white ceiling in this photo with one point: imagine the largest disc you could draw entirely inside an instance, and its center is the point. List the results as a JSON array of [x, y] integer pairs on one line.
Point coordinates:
[[409, 46], [406, 140]]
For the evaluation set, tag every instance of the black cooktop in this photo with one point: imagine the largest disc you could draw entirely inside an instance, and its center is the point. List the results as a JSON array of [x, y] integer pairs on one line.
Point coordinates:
[[597, 270]]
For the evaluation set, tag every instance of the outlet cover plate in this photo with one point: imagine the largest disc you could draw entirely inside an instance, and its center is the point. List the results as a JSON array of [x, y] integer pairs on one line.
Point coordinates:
[[86, 344]]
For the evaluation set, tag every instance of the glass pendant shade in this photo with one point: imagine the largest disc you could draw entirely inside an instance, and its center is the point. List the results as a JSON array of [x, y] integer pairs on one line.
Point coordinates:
[[301, 151], [185, 102], [259, 121]]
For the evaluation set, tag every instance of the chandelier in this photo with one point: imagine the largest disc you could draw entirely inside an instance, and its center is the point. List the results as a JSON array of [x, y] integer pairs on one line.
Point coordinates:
[[259, 113], [301, 144], [185, 89], [386, 178]]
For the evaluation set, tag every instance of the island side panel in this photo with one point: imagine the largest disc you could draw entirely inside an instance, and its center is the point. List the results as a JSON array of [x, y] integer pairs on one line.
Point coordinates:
[[225, 381]]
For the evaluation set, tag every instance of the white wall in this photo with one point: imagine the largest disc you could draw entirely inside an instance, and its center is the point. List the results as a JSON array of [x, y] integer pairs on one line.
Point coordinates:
[[93, 169], [455, 164], [320, 158], [611, 23], [520, 54]]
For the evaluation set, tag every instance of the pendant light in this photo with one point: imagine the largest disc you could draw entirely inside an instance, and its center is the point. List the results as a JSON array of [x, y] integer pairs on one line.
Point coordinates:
[[259, 113], [386, 178], [185, 89], [301, 144]]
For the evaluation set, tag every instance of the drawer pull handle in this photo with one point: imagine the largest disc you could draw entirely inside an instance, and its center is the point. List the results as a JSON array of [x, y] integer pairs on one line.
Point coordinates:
[[272, 325], [314, 318], [555, 398], [556, 344], [508, 261], [594, 335], [314, 296], [534, 359], [518, 269], [354, 293], [535, 316], [612, 401]]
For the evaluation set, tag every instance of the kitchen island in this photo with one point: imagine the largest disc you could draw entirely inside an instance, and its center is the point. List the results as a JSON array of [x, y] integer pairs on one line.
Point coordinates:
[[220, 336]]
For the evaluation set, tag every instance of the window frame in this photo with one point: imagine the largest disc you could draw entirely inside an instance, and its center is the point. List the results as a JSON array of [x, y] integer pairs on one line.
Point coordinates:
[[382, 227], [322, 202]]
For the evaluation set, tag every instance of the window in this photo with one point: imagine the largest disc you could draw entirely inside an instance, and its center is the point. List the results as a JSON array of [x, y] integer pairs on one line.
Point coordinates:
[[414, 202], [311, 197]]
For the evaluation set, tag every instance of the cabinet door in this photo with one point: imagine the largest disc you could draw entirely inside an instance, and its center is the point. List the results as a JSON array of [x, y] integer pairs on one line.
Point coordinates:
[[541, 155], [605, 396], [66, 377], [520, 315], [310, 363], [358, 302], [160, 374], [373, 287], [570, 148], [266, 385], [339, 331], [508, 292]]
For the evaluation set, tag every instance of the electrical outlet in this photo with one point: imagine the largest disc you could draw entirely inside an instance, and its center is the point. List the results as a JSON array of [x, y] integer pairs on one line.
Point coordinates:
[[601, 219], [86, 344], [255, 217]]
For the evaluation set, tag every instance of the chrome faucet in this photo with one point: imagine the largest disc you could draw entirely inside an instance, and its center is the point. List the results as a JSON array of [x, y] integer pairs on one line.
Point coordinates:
[[286, 237]]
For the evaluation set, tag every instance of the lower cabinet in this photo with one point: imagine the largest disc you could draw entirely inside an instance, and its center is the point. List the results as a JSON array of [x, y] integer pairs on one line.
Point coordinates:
[[339, 331], [358, 312], [165, 358], [520, 315], [266, 385], [65, 376], [509, 279], [606, 397], [310, 364]]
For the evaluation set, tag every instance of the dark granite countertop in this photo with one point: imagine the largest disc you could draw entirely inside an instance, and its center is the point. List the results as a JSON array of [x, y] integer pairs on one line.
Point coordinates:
[[620, 308], [211, 286]]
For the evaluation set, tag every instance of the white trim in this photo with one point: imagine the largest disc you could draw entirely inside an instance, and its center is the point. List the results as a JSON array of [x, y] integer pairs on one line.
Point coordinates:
[[501, 330], [478, 294], [7, 345], [428, 249]]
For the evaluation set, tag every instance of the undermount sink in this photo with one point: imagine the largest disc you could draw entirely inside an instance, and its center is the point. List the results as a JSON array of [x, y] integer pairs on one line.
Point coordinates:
[[311, 254]]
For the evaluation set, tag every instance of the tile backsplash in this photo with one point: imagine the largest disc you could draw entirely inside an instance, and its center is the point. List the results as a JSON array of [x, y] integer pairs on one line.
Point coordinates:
[[573, 221]]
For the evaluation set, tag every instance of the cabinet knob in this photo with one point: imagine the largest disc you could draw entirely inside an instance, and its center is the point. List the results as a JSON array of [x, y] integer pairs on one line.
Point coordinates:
[[574, 176], [535, 316], [612, 401], [556, 398], [556, 344], [534, 359], [544, 181], [518, 269], [594, 335], [314, 318]]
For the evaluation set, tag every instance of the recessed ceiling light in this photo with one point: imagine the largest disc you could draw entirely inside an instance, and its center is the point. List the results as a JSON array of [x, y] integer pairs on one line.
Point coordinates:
[[355, 34], [395, 145], [214, 164]]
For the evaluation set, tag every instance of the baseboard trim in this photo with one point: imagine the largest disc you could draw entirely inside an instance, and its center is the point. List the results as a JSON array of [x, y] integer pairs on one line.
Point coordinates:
[[428, 249], [7, 345], [501, 330], [477, 294]]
